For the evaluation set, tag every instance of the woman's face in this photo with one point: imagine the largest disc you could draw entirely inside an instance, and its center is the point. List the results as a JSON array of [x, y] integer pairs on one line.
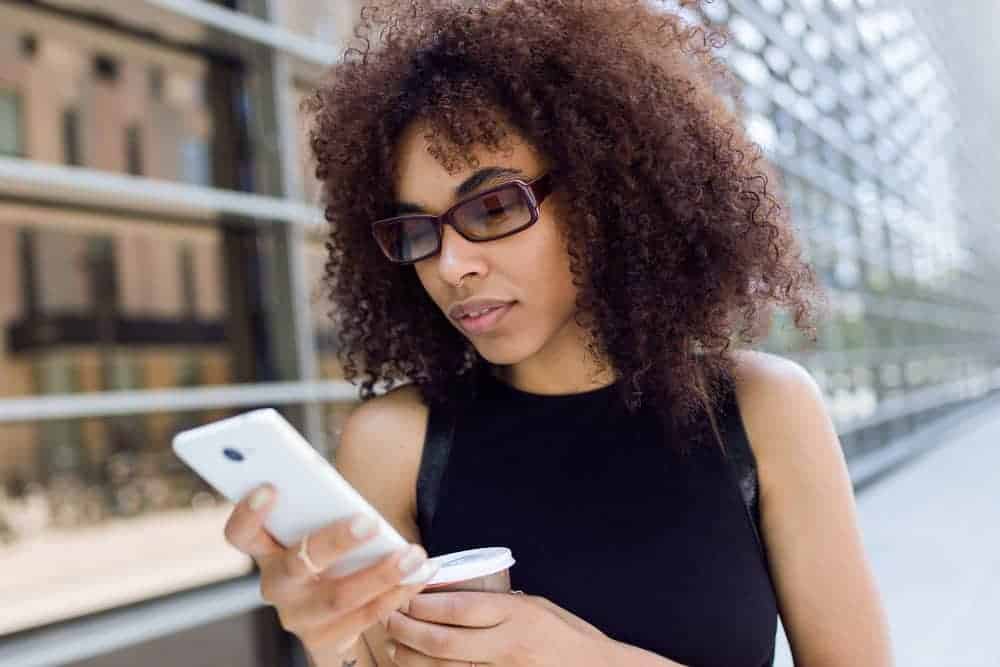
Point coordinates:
[[530, 268]]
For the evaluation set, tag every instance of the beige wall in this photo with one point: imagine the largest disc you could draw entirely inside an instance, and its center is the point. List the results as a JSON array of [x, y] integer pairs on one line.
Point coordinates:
[[61, 76]]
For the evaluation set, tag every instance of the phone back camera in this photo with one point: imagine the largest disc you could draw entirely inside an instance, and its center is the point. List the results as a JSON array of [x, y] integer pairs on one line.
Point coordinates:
[[233, 454]]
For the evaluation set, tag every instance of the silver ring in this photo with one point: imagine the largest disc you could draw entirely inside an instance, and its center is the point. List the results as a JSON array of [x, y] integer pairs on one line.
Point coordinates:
[[304, 557]]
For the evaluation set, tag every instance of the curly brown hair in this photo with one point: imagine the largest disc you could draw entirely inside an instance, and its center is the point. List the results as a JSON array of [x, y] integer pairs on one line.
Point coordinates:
[[678, 242]]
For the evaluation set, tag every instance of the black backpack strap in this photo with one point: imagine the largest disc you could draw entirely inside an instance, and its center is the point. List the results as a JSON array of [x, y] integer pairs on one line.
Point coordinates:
[[433, 461], [741, 461]]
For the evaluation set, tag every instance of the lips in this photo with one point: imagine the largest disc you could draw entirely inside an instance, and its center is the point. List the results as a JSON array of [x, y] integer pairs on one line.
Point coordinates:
[[486, 321], [479, 313], [475, 306]]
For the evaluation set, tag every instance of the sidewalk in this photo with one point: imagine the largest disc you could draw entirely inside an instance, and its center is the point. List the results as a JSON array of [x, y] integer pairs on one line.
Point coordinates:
[[932, 532], [61, 575]]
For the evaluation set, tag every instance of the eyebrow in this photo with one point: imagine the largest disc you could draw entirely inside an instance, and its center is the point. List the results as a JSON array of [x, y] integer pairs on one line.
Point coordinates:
[[477, 179]]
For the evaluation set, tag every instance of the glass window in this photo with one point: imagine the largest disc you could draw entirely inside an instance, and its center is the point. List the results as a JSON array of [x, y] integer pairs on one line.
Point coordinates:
[[90, 305], [156, 79], [72, 150], [96, 511], [777, 59], [105, 67], [826, 98], [817, 46], [793, 23], [717, 11], [133, 150], [801, 79], [28, 45], [761, 130], [137, 522], [196, 167], [750, 67], [747, 34], [773, 6], [10, 123]]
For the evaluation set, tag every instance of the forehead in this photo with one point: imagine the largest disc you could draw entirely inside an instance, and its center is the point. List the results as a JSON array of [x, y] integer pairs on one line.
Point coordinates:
[[423, 180]]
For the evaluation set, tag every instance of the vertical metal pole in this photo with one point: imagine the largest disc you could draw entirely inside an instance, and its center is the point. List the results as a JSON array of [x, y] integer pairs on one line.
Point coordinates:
[[276, 166], [292, 247]]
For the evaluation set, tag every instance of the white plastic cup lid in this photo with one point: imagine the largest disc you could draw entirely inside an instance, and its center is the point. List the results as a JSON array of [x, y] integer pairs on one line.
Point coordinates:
[[470, 564]]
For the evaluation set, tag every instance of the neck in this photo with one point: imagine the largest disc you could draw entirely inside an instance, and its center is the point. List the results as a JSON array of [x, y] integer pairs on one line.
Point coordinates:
[[561, 366], [553, 380]]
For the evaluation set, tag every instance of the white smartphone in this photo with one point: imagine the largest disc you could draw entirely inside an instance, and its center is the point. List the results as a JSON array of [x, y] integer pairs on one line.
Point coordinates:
[[237, 454]]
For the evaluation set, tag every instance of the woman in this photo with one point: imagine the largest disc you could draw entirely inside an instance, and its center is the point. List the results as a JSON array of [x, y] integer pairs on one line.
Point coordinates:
[[610, 232]]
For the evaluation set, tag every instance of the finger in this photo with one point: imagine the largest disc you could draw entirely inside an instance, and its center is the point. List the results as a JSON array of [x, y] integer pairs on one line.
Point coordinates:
[[329, 636], [336, 597], [328, 544], [245, 526], [465, 608], [407, 656], [440, 642], [383, 605]]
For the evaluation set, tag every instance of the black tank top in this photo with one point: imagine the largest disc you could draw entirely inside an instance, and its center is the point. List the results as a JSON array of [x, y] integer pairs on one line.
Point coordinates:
[[657, 549]]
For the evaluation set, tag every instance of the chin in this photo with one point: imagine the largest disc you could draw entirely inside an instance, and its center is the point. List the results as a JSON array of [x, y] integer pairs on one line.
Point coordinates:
[[505, 353]]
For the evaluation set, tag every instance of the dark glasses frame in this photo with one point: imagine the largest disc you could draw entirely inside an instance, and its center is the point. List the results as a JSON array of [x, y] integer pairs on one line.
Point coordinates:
[[535, 190]]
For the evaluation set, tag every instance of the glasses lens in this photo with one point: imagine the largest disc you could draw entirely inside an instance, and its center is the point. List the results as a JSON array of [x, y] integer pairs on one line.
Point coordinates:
[[494, 213], [406, 239], [482, 218]]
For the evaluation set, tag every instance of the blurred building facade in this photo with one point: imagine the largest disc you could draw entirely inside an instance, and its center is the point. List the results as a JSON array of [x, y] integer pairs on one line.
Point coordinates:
[[158, 232]]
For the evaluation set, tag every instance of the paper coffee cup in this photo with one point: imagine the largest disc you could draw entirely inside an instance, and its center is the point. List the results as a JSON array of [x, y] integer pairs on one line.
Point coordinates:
[[485, 569]]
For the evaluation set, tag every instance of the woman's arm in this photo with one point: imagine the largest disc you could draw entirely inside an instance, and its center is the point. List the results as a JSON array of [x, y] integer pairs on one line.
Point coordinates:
[[379, 455], [827, 596]]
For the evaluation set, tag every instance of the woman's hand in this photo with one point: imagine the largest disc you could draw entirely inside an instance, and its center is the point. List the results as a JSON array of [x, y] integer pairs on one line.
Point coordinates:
[[459, 628], [326, 613]]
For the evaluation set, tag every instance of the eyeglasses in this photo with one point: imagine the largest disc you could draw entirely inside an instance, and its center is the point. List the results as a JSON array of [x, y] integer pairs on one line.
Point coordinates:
[[493, 214]]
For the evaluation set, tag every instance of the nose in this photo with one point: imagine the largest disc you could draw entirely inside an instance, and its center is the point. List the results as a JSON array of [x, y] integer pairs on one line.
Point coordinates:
[[458, 257]]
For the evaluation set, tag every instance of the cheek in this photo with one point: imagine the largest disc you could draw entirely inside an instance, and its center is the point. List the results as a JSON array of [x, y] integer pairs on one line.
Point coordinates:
[[550, 270], [545, 283]]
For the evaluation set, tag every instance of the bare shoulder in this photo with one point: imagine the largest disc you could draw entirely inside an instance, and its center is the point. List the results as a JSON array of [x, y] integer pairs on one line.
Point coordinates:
[[770, 386], [783, 411], [763, 370], [379, 454], [825, 586]]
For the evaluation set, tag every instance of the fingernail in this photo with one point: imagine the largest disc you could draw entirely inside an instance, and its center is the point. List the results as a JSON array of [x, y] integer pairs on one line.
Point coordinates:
[[414, 557], [260, 497], [405, 607], [422, 575], [363, 526]]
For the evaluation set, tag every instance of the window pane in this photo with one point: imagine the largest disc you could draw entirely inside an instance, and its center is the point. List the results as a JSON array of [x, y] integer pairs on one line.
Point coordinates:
[[87, 305], [10, 123]]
